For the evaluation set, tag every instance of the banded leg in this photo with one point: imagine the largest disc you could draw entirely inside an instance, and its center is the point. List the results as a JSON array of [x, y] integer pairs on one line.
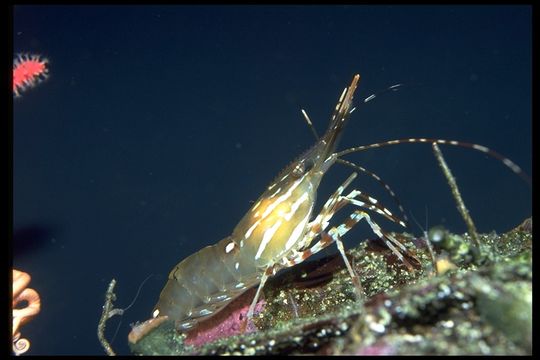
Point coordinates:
[[336, 202], [329, 208], [328, 238], [373, 205], [337, 232], [380, 181]]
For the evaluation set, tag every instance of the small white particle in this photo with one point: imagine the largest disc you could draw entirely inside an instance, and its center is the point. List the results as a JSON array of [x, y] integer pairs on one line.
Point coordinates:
[[377, 327], [230, 246], [222, 297], [204, 312], [413, 338], [448, 324]]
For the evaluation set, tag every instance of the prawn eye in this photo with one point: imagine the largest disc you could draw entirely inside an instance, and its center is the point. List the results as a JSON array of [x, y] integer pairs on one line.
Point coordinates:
[[299, 170], [302, 167]]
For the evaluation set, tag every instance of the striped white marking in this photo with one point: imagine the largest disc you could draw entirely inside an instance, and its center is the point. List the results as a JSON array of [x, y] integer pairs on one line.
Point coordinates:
[[297, 232], [275, 193], [283, 197], [370, 97], [358, 203], [342, 96], [250, 230], [307, 117], [295, 206], [480, 147], [204, 312], [513, 166], [230, 246], [268, 234], [256, 205]]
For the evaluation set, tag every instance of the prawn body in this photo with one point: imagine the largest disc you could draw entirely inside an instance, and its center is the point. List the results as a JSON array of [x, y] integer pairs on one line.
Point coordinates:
[[281, 229], [267, 238]]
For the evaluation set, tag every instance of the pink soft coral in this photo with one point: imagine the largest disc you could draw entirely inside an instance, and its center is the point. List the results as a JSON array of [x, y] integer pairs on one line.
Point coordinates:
[[227, 322]]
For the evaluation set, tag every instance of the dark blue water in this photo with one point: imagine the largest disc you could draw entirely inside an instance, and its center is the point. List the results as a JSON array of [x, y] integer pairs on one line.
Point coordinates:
[[159, 125]]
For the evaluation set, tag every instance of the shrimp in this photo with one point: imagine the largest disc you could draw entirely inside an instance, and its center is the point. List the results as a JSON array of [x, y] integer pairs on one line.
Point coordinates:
[[280, 229]]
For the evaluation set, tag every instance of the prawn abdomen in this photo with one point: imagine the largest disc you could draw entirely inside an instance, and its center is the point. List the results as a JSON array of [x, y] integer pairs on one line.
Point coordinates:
[[205, 282]]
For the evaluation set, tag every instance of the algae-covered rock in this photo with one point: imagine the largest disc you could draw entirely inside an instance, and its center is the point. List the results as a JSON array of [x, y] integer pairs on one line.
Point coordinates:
[[480, 304]]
